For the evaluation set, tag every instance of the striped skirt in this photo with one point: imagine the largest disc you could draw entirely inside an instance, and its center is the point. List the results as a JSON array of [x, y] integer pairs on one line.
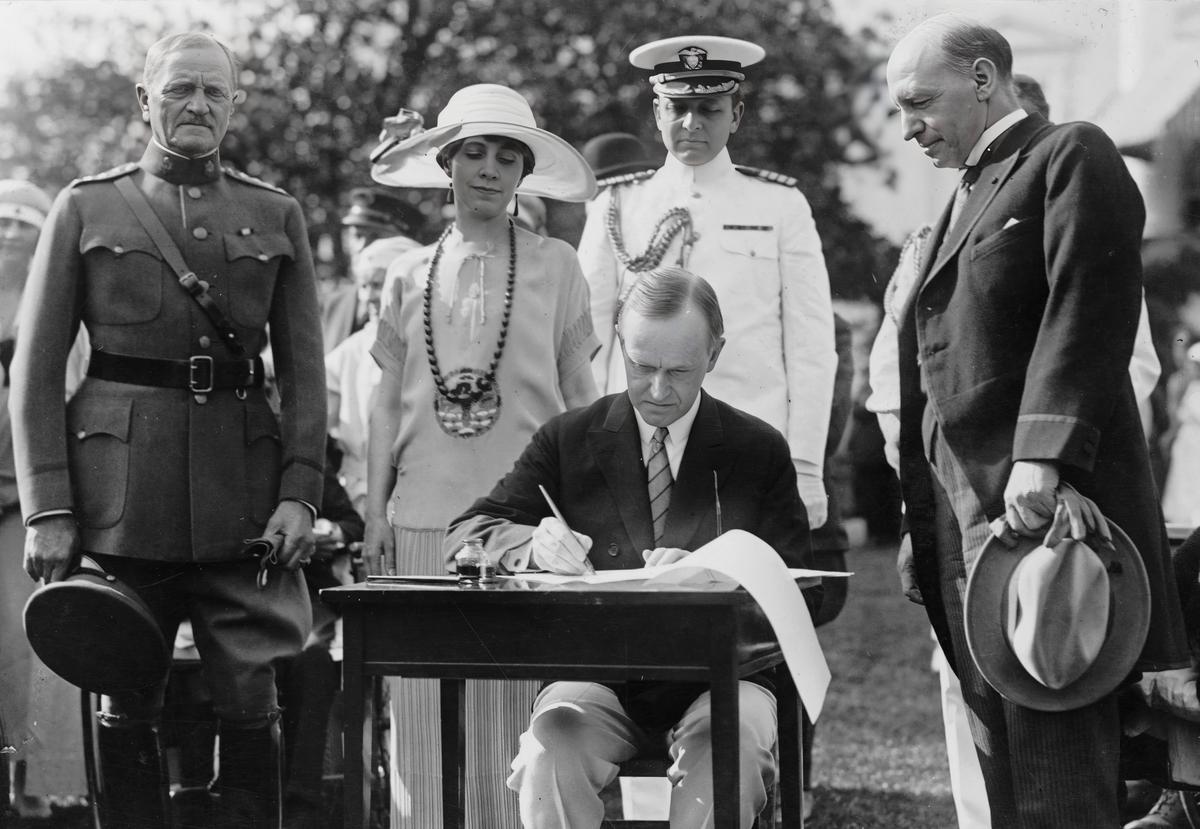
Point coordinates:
[[497, 713]]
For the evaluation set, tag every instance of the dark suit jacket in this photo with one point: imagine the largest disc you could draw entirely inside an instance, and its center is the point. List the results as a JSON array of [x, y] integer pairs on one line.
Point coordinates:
[[1024, 320], [590, 462]]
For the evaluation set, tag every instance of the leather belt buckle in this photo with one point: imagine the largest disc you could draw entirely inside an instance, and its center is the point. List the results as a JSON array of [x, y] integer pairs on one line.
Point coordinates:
[[200, 374]]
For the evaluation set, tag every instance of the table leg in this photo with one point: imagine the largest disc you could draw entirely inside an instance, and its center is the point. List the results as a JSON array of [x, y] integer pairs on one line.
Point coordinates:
[[725, 737], [454, 754], [356, 724], [791, 756]]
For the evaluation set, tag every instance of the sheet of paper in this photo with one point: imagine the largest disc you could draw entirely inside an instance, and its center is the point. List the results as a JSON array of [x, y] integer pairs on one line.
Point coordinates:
[[740, 558]]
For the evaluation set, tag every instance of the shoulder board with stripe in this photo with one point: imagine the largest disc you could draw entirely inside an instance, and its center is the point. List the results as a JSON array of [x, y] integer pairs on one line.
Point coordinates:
[[107, 175], [767, 175], [625, 178], [252, 181]]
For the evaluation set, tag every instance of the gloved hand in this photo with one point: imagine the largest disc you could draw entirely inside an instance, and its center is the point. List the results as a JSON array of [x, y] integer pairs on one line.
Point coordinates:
[[812, 493]]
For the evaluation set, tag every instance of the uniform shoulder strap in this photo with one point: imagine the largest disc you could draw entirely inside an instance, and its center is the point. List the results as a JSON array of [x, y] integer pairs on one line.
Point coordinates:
[[107, 175], [252, 181], [625, 178], [767, 175]]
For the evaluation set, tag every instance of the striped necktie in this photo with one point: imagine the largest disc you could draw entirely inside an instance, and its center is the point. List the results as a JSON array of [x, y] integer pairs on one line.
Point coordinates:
[[658, 476]]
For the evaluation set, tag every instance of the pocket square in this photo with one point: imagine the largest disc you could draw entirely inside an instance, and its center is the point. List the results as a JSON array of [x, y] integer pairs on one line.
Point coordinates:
[[1011, 221]]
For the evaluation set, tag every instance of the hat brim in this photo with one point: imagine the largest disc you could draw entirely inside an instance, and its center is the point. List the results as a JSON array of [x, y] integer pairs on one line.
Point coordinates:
[[559, 172], [96, 633], [624, 168], [986, 606]]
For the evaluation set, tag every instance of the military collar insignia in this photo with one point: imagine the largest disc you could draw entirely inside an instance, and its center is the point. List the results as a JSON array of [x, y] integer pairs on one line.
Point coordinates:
[[178, 169]]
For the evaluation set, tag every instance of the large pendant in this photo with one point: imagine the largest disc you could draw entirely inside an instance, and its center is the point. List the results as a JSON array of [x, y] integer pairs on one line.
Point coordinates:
[[471, 405]]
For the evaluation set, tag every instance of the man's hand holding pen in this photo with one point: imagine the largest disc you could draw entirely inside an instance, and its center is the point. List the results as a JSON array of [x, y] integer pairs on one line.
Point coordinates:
[[557, 548]]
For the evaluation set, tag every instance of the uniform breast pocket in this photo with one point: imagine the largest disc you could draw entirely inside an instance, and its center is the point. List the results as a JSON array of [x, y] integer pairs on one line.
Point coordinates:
[[253, 262], [749, 260], [124, 275], [744, 238], [98, 450]]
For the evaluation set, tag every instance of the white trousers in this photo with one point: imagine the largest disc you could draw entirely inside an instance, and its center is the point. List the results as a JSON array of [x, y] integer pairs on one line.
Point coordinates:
[[966, 777], [579, 734]]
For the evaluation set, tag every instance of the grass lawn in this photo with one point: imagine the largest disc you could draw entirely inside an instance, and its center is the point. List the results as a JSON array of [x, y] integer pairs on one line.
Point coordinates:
[[879, 758]]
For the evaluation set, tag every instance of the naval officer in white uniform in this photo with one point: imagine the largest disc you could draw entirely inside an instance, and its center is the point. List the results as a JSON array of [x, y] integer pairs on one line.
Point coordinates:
[[749, 232]]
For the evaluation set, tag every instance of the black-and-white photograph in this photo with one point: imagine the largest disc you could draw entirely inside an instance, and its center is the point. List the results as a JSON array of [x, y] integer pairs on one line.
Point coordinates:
[[553, 414]]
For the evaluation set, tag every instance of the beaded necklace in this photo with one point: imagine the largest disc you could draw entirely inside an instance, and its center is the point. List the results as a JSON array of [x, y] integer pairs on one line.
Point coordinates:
[[467, 403], [669, 226]]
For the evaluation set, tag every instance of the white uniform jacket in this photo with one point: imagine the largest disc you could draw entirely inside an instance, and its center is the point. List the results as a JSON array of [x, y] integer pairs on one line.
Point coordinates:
[[755, 242]]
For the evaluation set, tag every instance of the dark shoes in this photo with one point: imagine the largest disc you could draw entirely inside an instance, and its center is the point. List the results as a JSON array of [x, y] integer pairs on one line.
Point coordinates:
[[1173, 810]]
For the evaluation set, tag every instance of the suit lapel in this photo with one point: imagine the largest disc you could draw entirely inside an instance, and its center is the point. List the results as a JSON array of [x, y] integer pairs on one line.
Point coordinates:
[[694, 495], [991, 178], [617, 448]]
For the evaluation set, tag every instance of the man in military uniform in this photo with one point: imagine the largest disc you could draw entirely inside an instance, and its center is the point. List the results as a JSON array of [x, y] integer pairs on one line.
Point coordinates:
[[749, 232], [168, 458]]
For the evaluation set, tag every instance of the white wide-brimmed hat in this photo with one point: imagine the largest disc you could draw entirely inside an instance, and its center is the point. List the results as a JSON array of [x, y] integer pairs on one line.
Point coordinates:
[[559, 171]]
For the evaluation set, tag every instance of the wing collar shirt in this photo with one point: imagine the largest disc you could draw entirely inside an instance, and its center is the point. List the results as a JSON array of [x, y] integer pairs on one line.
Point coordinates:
[[991, 134]]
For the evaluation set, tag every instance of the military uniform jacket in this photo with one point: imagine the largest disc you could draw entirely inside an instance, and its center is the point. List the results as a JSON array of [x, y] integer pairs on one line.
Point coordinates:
[[756, 244], [152, 472]]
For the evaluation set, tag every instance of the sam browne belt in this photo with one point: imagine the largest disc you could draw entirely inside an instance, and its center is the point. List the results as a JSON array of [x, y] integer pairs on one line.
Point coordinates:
[[200, 374]]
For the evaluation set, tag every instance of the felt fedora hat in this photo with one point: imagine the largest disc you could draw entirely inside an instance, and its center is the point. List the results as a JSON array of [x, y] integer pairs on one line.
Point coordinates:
[[615, 154], [1056, 629], [559, 171], [96, 633]]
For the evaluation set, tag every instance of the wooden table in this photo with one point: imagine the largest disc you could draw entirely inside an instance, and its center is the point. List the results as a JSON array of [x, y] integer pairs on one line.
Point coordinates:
[[519, 632]]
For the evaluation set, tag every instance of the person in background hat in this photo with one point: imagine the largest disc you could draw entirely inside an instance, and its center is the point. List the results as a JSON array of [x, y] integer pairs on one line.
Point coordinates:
[[169, 456], [39, 728], [1015, 397], [749, 232], [375, 215], [617, 157], [486, 336]]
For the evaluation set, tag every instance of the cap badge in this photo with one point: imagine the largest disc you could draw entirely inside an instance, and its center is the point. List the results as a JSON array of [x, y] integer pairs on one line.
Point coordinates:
[[692, 57]]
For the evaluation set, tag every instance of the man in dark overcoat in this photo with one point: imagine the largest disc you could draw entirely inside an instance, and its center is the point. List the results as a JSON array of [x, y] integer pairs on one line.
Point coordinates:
[[169, 459], [1014, 350]]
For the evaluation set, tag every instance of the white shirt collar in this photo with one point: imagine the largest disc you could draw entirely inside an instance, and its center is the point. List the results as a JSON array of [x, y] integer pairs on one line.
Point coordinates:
[[991, 134], [675, 171], [169, 151], [677, 433]]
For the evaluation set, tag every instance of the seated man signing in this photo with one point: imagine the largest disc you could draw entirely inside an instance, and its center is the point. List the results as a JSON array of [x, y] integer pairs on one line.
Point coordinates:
[[639, 477]]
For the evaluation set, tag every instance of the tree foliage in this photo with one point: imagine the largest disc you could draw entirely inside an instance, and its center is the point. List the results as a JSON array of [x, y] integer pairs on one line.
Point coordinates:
[[323, 73]]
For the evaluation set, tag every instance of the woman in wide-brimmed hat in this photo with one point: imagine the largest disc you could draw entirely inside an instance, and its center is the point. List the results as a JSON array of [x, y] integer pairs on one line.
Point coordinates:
[[483, 337]]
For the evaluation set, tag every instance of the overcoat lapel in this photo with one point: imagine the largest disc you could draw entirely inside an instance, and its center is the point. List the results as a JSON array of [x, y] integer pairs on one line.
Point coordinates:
[[992, 177], [616, 446], [694, 495]]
